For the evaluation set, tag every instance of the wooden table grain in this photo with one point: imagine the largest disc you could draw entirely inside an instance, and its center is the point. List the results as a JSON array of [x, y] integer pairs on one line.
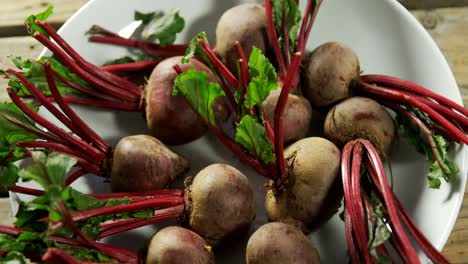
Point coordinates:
[[446, 21]]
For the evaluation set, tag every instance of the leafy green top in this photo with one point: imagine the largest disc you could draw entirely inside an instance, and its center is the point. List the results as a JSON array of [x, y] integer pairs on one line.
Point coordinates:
[[30, 22], [161, 28], [286, 13], [35, 73], [200, 93], [423, 145], [251, 132], [11, 134]]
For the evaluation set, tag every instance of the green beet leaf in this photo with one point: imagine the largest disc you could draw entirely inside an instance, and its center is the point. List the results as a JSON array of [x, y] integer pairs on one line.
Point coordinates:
[[251, 134], [161, 28], [263, 79], [198, 92]]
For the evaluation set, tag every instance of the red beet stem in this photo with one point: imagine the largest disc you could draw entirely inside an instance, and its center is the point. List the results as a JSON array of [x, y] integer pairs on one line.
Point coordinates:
[[129, 107], [42, 99], [80, 144], [83, 129], [273, 37], [402, 98], [288, 85], [167, 192], [310, 24], [56, 255], [37, 132], [160, 202], [285, 35], [357, 204], [223, 71], [25, 190], [421, 240], [104, 75], [41, 145], [108, 251], [150, 48], [84, 90], [413, 88], [76, 175], [131, 66], [380, 179], [158, 217], [244, 69], [218, 63], [85, 75]]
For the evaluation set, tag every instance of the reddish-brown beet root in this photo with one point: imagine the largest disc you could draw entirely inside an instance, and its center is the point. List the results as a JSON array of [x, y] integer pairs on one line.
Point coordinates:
[[360, 117], [280, 243], [169, 117], [327, 73], [296, 116], [143, 163], [245, 23], [177, 245], [312, 195], [221, 203]]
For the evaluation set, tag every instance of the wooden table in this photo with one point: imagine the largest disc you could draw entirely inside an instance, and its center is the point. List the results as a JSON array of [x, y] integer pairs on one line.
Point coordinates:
[[447, 21]]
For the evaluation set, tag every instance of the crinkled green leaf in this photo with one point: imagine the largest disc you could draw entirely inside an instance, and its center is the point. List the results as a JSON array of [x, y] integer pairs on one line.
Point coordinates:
[[263, 79], [198, 92], [42, 16], [194, 49], [163, 28], [252, 136]]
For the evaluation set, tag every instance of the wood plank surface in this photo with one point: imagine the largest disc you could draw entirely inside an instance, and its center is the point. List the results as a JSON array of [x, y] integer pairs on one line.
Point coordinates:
[[14, 12], [448, 26], [429, 4]]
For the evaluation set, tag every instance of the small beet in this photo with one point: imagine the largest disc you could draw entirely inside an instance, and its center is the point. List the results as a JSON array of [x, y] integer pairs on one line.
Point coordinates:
[[280, 243], [177, 245], [245, 23], [143, 163], [297, 115], [312, 195], [360, 117], [222, 202], [327, 74]]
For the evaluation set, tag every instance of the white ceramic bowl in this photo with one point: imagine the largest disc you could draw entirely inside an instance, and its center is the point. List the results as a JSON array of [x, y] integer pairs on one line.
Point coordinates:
[[387, 39]]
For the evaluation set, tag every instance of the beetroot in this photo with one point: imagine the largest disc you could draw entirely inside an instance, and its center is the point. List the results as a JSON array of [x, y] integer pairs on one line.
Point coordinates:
[[359, 117], [143, 163], [280, 243], [245, 23], [327, 73], [169, 117], [140, 163], [296, 116], [177, 245]]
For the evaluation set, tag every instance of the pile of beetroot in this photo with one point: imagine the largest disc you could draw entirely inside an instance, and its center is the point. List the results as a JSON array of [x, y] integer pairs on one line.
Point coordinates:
[[256, 91]]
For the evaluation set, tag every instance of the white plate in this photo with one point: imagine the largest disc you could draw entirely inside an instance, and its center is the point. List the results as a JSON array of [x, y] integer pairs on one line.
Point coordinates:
[[387, 39]]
